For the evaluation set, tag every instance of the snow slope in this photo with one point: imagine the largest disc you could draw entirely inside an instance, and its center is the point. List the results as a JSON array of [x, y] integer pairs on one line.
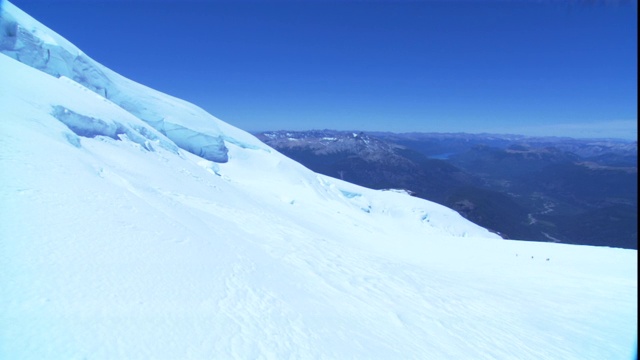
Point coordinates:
[[115, 242], [34, 44]]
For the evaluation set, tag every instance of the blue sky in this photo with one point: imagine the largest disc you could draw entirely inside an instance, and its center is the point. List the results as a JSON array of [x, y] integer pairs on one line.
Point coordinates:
[[528, 67]]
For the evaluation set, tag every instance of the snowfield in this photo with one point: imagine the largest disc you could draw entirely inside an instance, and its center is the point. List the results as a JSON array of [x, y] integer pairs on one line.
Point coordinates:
[[136, 226]]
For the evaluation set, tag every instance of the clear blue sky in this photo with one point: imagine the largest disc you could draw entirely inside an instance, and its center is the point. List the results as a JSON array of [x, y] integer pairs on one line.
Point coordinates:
[[530, 67]]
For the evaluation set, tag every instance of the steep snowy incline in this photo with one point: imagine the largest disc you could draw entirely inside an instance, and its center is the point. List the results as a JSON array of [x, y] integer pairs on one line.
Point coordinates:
[[33, 44], [115, 243], [191, 128], [110, 249]]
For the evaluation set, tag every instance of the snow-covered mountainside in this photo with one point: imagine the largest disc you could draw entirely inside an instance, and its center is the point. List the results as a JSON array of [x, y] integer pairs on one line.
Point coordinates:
[[135, 225], [188, 126], [575, 191]]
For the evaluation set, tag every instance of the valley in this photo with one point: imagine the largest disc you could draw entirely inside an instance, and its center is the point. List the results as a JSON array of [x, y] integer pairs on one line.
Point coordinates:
[[540, 189]]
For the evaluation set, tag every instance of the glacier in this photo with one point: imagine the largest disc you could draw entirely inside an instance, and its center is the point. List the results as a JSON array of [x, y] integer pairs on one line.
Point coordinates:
[[188, 126], [135, 225]]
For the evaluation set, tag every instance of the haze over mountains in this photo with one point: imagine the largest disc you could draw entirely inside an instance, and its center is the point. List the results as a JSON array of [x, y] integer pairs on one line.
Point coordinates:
[[578, 191], [136, 225]]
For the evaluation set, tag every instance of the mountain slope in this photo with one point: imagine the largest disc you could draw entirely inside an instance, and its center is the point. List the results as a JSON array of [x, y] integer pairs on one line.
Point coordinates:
[[117, 243], [539, 189], [368, 161]]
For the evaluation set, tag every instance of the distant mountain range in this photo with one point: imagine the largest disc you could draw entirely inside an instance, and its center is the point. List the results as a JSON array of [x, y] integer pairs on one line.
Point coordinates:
[[578, 191]]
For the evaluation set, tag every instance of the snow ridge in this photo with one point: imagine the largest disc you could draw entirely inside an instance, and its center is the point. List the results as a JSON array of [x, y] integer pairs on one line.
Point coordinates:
[[115, 243], [31, 43]]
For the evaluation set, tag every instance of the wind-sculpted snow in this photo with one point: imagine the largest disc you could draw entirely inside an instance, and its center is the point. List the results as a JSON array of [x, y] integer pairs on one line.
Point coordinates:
[[83, 112], [87, 126], [111, 251], [190, 127], [201, 144]]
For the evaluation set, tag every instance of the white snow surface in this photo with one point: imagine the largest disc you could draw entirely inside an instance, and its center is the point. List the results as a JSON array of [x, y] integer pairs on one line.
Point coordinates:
[[193, 129], [116, 243]]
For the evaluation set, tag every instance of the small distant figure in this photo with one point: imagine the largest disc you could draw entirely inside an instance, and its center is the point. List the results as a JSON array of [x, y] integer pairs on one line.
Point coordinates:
[[516, 254], [547, 259], [532, 256]]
